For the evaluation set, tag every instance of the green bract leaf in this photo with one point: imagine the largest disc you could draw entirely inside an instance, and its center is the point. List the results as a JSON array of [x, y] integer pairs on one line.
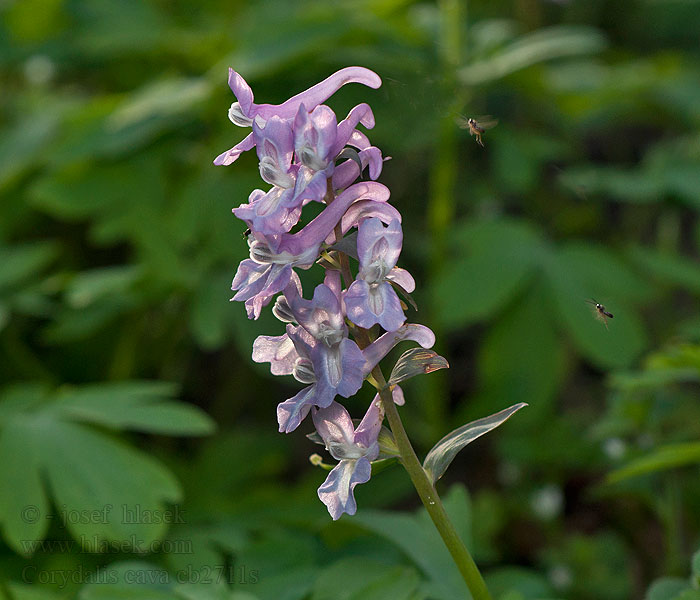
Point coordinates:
[[416, 361], [668, 457], [443, 453]]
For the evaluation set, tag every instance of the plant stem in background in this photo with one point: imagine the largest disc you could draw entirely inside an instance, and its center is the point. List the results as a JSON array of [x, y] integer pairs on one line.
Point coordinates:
[[443, 176]]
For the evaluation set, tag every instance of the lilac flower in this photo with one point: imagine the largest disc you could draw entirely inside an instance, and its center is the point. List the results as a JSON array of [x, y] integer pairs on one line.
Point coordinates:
[[331, 371], [353, 448], [244, 112], [328, 373], [272, 258], [371, 299]]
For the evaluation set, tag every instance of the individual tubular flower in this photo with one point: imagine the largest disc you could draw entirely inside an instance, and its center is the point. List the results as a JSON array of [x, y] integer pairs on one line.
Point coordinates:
[[244, 111], [269, 269], [330, 371], [342, 375], [371, 299], [354, 449]]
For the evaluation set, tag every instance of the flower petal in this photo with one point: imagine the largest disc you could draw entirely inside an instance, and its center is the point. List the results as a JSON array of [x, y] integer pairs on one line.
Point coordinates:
[[292, 412], [337, 492], [384, 343], [226, 158], [278, 350]]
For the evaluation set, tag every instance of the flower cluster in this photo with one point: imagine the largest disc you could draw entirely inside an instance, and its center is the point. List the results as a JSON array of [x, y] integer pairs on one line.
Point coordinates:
[[306, 156]]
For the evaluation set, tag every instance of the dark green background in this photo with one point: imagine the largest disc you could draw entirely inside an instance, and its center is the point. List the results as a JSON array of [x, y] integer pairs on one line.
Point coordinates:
[[118, 246]]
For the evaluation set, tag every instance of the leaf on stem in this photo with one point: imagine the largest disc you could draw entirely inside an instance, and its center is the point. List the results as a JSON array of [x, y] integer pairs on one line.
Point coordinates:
[[416, 361], [443, 453]]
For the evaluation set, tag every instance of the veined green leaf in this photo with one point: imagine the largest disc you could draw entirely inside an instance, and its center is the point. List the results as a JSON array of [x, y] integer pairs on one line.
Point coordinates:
[[667, 457], [493, 260], [544, 44], [104, 490], [442, 454], [139, 406]]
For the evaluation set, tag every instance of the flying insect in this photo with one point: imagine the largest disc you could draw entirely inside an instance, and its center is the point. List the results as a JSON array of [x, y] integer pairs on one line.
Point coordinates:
[[600, 312], [477, 127]]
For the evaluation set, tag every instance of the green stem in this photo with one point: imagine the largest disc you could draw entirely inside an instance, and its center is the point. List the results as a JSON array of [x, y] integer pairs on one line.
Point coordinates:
[[426, 490], [429, 496]]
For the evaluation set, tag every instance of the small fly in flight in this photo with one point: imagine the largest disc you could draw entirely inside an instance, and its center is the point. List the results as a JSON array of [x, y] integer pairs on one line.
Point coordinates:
[[476, 128], [600, 312]]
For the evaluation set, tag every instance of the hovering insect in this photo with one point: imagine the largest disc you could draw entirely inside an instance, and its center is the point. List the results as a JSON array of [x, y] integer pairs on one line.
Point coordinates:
[[476, 128], [600, 312], [246, 233]]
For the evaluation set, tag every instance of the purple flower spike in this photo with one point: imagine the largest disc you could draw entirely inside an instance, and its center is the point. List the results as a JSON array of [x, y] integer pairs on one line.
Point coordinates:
[[371, 299], [353, 448], [298, 144]]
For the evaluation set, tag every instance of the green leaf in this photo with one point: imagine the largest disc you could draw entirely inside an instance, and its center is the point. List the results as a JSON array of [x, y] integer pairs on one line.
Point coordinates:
[[570, 290], [365, 579], [416, 361], [20, 591], [492, 262], [416, 536], [528, 584], [91, 286], [21, 146], [24, 506], [20, 263], [103, 490], [443, 453], [139, 406], [522, 358], [211, 312], [160, 100], [667, 457], [695, 567], [666, 588], [532, 48], [670, 268]]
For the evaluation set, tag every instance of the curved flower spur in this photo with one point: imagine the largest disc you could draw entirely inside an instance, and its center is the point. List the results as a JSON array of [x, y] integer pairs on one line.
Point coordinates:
[[330, 344]]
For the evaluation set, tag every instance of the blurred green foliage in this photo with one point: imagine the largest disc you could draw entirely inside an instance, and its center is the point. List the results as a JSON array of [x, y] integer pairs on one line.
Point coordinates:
[[117, 248]]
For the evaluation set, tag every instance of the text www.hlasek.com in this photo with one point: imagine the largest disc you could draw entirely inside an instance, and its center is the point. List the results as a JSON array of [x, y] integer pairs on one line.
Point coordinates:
[[99, 544]]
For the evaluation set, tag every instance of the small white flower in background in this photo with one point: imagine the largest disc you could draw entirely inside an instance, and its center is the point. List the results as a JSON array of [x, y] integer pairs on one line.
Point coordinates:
[[614, 448], [547, 502], [39, 69]]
